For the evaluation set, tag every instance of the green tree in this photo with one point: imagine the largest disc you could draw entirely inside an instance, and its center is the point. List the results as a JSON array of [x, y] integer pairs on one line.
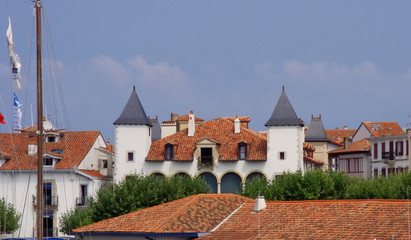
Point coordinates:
[[9, 218], [75, 218], [134, 193]]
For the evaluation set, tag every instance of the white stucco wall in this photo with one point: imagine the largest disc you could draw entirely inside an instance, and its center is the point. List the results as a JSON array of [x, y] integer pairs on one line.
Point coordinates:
[[361, 133], [19, 187], [130, 138], [288, 139]]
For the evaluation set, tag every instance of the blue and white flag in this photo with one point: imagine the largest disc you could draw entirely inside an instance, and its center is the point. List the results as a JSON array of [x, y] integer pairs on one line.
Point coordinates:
[[14, 60], [17, 113]]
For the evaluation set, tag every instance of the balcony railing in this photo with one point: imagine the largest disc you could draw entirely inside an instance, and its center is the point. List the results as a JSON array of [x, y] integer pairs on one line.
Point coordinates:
[[47, 201], [387, 156], [205, 162]]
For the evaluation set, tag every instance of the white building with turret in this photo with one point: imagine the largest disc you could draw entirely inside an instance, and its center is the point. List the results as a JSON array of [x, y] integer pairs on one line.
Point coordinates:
[[224, 151]]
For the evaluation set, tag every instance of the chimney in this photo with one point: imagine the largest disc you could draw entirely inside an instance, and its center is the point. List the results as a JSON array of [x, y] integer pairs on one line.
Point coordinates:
[[191, 124], [174, 116], [346, 142], [345, 127], [237, 125], [259, 203]]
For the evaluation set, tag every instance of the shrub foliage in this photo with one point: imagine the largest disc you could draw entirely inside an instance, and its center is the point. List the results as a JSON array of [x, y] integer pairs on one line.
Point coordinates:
[[9, 218], [134, 193]]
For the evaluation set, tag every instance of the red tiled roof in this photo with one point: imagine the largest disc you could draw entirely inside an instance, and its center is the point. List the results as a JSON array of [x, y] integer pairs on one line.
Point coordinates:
[[93, 173], [336, 219], [362, 145], [75, 145], [187, 116], [232, 217], [379, 129], [198, 213], [338, 135], [220, 130]]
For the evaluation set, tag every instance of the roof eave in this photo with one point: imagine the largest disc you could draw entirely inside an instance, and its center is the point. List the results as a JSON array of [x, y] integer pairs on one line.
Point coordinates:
[[142, 234]]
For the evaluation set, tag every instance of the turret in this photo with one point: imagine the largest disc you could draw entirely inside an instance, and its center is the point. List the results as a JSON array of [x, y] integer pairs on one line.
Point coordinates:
[[132, 132], [285, 136], [316, 136]]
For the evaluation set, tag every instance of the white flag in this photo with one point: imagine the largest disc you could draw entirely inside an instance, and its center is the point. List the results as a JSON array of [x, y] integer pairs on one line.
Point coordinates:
[[14, 60], [16, 113]]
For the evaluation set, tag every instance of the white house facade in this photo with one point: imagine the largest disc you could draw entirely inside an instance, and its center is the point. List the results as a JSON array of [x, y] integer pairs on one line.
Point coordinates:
[[76, 165], [390, 154]]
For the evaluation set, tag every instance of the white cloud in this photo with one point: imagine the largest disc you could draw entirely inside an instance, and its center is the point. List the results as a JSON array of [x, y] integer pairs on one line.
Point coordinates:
[[111, 70], [159, 74], [320, 72]]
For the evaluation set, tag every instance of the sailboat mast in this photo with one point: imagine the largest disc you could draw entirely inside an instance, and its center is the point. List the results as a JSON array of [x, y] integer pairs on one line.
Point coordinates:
[[39, 126]]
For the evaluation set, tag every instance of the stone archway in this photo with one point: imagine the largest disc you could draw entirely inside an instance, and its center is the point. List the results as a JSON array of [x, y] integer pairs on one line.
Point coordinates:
[[211, 181], [253, 175], [182, 174], [231, 183]]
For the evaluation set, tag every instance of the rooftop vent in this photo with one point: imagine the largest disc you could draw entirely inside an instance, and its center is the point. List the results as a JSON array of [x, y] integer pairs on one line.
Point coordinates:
[[259, 204], [237, 125]]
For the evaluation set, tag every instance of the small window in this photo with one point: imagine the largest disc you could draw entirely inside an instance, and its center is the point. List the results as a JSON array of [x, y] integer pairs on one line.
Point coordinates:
[[105, 164], [48, 162], [169, 151], [51, 139], [282, 155], [242, 151], [130, 156]]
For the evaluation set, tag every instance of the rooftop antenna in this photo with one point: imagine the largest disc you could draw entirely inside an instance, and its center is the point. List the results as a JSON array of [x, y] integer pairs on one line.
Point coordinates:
[[408, 125]]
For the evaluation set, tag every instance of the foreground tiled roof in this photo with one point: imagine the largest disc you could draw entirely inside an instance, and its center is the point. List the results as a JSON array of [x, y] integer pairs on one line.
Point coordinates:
[[362, 145], [75, 145], [198, 213], [220, 130], [229, 216], [339, 219], [379, 129]]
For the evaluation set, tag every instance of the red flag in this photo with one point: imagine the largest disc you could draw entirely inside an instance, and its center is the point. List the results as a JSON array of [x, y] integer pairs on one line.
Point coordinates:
[[2, 119]]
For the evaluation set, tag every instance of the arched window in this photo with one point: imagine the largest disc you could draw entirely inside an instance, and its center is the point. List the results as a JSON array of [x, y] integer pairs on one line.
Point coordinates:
[[169, 151]]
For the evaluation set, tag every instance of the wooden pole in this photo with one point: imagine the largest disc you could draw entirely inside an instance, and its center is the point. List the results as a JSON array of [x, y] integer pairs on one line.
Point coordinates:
[[39, 126]]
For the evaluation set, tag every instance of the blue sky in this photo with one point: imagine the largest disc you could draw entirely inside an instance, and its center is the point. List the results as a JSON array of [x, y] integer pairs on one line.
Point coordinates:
[[349, 61]]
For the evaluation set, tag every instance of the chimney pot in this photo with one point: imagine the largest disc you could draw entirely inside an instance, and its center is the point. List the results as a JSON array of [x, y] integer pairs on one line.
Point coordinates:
[[259, 204], [191, 124], [237, 128]]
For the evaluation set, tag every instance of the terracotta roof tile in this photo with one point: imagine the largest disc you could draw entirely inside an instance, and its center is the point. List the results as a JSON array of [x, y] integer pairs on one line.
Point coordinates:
[[232, 217], [379, 129], [362, 145], [75, 145], [198, 213], [220, 130], [93, 173], [338, 219], [338, 135]]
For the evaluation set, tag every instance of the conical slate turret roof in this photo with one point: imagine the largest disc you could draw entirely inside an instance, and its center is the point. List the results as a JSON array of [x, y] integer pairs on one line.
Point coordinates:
[[316, 132], [133, 113], [283, 114]]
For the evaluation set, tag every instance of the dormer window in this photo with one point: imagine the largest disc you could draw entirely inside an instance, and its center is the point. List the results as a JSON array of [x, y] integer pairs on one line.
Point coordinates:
[[51, 139], [169, 148], [48, 162], [32, 149], [242, 151]]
